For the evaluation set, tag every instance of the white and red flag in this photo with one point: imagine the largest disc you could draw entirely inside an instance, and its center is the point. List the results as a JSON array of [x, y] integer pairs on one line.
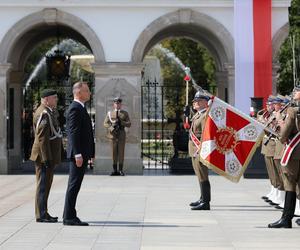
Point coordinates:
[[253, 51], [229, 140]]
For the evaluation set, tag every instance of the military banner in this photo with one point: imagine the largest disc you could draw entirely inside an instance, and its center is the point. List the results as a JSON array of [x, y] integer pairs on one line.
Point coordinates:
[[229, 140]]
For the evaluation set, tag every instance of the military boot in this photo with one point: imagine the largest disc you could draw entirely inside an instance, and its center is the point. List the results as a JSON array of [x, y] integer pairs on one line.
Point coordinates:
[[288, 212], [115, 172], [196, 203], [121, 169], [204, 204]]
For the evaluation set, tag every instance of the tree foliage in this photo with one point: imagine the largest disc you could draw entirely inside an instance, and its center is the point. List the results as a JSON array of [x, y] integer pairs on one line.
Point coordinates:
[[285, 81], [191, 54]]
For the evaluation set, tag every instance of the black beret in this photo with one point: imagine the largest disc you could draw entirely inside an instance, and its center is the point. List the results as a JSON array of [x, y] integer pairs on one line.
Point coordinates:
[[48, 92], [117, 100]]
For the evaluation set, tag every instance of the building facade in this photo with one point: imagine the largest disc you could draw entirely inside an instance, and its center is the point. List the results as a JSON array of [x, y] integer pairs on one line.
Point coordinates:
[[119, 34]]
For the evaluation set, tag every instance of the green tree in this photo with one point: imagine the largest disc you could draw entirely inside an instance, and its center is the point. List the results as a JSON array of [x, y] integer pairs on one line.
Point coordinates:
[[285, 81], [193, 55]]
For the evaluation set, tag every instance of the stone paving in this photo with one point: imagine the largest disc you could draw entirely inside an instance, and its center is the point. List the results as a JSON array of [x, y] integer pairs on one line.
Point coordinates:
[[143, 212]]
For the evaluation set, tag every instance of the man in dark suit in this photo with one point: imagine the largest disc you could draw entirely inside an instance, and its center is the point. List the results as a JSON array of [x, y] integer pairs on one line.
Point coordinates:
[[80, 149]]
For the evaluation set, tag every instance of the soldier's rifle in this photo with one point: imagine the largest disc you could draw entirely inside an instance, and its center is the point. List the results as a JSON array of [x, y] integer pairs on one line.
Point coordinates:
[[117, 125], [274, 132]]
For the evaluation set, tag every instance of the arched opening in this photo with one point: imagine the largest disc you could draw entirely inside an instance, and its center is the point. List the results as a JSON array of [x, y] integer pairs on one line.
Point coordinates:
[[198, 27], [279, 39], [17, 47], [217, 43]]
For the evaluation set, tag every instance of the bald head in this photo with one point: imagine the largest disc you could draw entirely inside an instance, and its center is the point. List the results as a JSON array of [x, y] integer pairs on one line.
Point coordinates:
[[81, 91]]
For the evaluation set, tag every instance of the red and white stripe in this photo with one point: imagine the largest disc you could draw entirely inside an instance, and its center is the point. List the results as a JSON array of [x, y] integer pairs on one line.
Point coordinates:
[[289, 148], [196, 142], [253, 51]]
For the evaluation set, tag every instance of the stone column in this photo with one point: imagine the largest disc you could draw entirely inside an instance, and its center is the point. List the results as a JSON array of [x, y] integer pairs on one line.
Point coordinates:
[[3, 116], [275, 67], [222, 86], [230, 83], [15, 153], [124, 80]]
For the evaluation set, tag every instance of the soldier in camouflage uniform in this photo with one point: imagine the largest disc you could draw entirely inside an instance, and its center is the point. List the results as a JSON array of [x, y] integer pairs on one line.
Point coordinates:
[[46, 152]]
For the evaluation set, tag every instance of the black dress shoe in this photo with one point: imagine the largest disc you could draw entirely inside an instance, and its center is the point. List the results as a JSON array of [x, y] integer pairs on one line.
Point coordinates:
[[282, 223], [75, 222], [122, 173], [51, 217], [195, 203], [273, 203], [278, 207], [115, 173], [46, 220], [202, 206]]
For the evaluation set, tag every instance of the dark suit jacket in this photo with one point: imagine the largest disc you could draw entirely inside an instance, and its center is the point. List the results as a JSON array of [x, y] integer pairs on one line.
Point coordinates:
[[79, 132]]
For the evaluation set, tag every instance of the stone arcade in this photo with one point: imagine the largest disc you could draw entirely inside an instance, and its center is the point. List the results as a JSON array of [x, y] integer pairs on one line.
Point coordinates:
[[119, 34]]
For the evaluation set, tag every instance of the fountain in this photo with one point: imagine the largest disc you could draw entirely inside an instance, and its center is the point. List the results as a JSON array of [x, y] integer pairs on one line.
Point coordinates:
[[42, 63], [180, 163]]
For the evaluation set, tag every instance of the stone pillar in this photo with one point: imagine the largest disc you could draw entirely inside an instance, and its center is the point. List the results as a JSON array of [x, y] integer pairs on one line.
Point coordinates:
[[15, 154], [3, 116], [124, 80], [275, 68], [222, 86], [230, 83]]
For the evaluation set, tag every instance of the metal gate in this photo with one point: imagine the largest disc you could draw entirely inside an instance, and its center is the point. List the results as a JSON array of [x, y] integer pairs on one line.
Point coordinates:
[[159, 132]]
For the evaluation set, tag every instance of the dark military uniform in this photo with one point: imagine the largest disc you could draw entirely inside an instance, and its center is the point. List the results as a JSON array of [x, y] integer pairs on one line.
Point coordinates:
[[291, 173], [117, 135], [46, 153]]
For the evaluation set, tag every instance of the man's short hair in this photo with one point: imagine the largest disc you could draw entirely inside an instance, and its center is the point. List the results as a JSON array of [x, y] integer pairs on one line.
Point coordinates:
[[77, 86]]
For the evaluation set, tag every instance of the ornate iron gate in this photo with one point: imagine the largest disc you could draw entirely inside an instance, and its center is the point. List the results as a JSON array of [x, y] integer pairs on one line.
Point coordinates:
[[159, 132]]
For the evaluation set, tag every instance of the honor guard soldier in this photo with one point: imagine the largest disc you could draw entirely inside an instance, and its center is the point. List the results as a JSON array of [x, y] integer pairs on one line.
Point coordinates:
[[200, 104], [268, 145], [115, 122], [279, 193], [46, 151], [289, 134]]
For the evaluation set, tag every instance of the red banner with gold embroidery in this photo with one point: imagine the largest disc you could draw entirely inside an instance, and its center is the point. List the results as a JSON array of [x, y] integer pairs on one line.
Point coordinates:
[[229, 140]]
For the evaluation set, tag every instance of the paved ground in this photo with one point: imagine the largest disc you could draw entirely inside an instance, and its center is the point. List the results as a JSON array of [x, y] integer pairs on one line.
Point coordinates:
[[143, 212]]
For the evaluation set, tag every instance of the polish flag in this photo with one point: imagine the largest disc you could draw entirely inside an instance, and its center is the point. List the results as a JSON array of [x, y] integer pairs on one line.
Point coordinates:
[[253, 51]]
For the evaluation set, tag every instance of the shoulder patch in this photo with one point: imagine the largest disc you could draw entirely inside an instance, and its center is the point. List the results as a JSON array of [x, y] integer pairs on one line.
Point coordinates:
[[43, 122]]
